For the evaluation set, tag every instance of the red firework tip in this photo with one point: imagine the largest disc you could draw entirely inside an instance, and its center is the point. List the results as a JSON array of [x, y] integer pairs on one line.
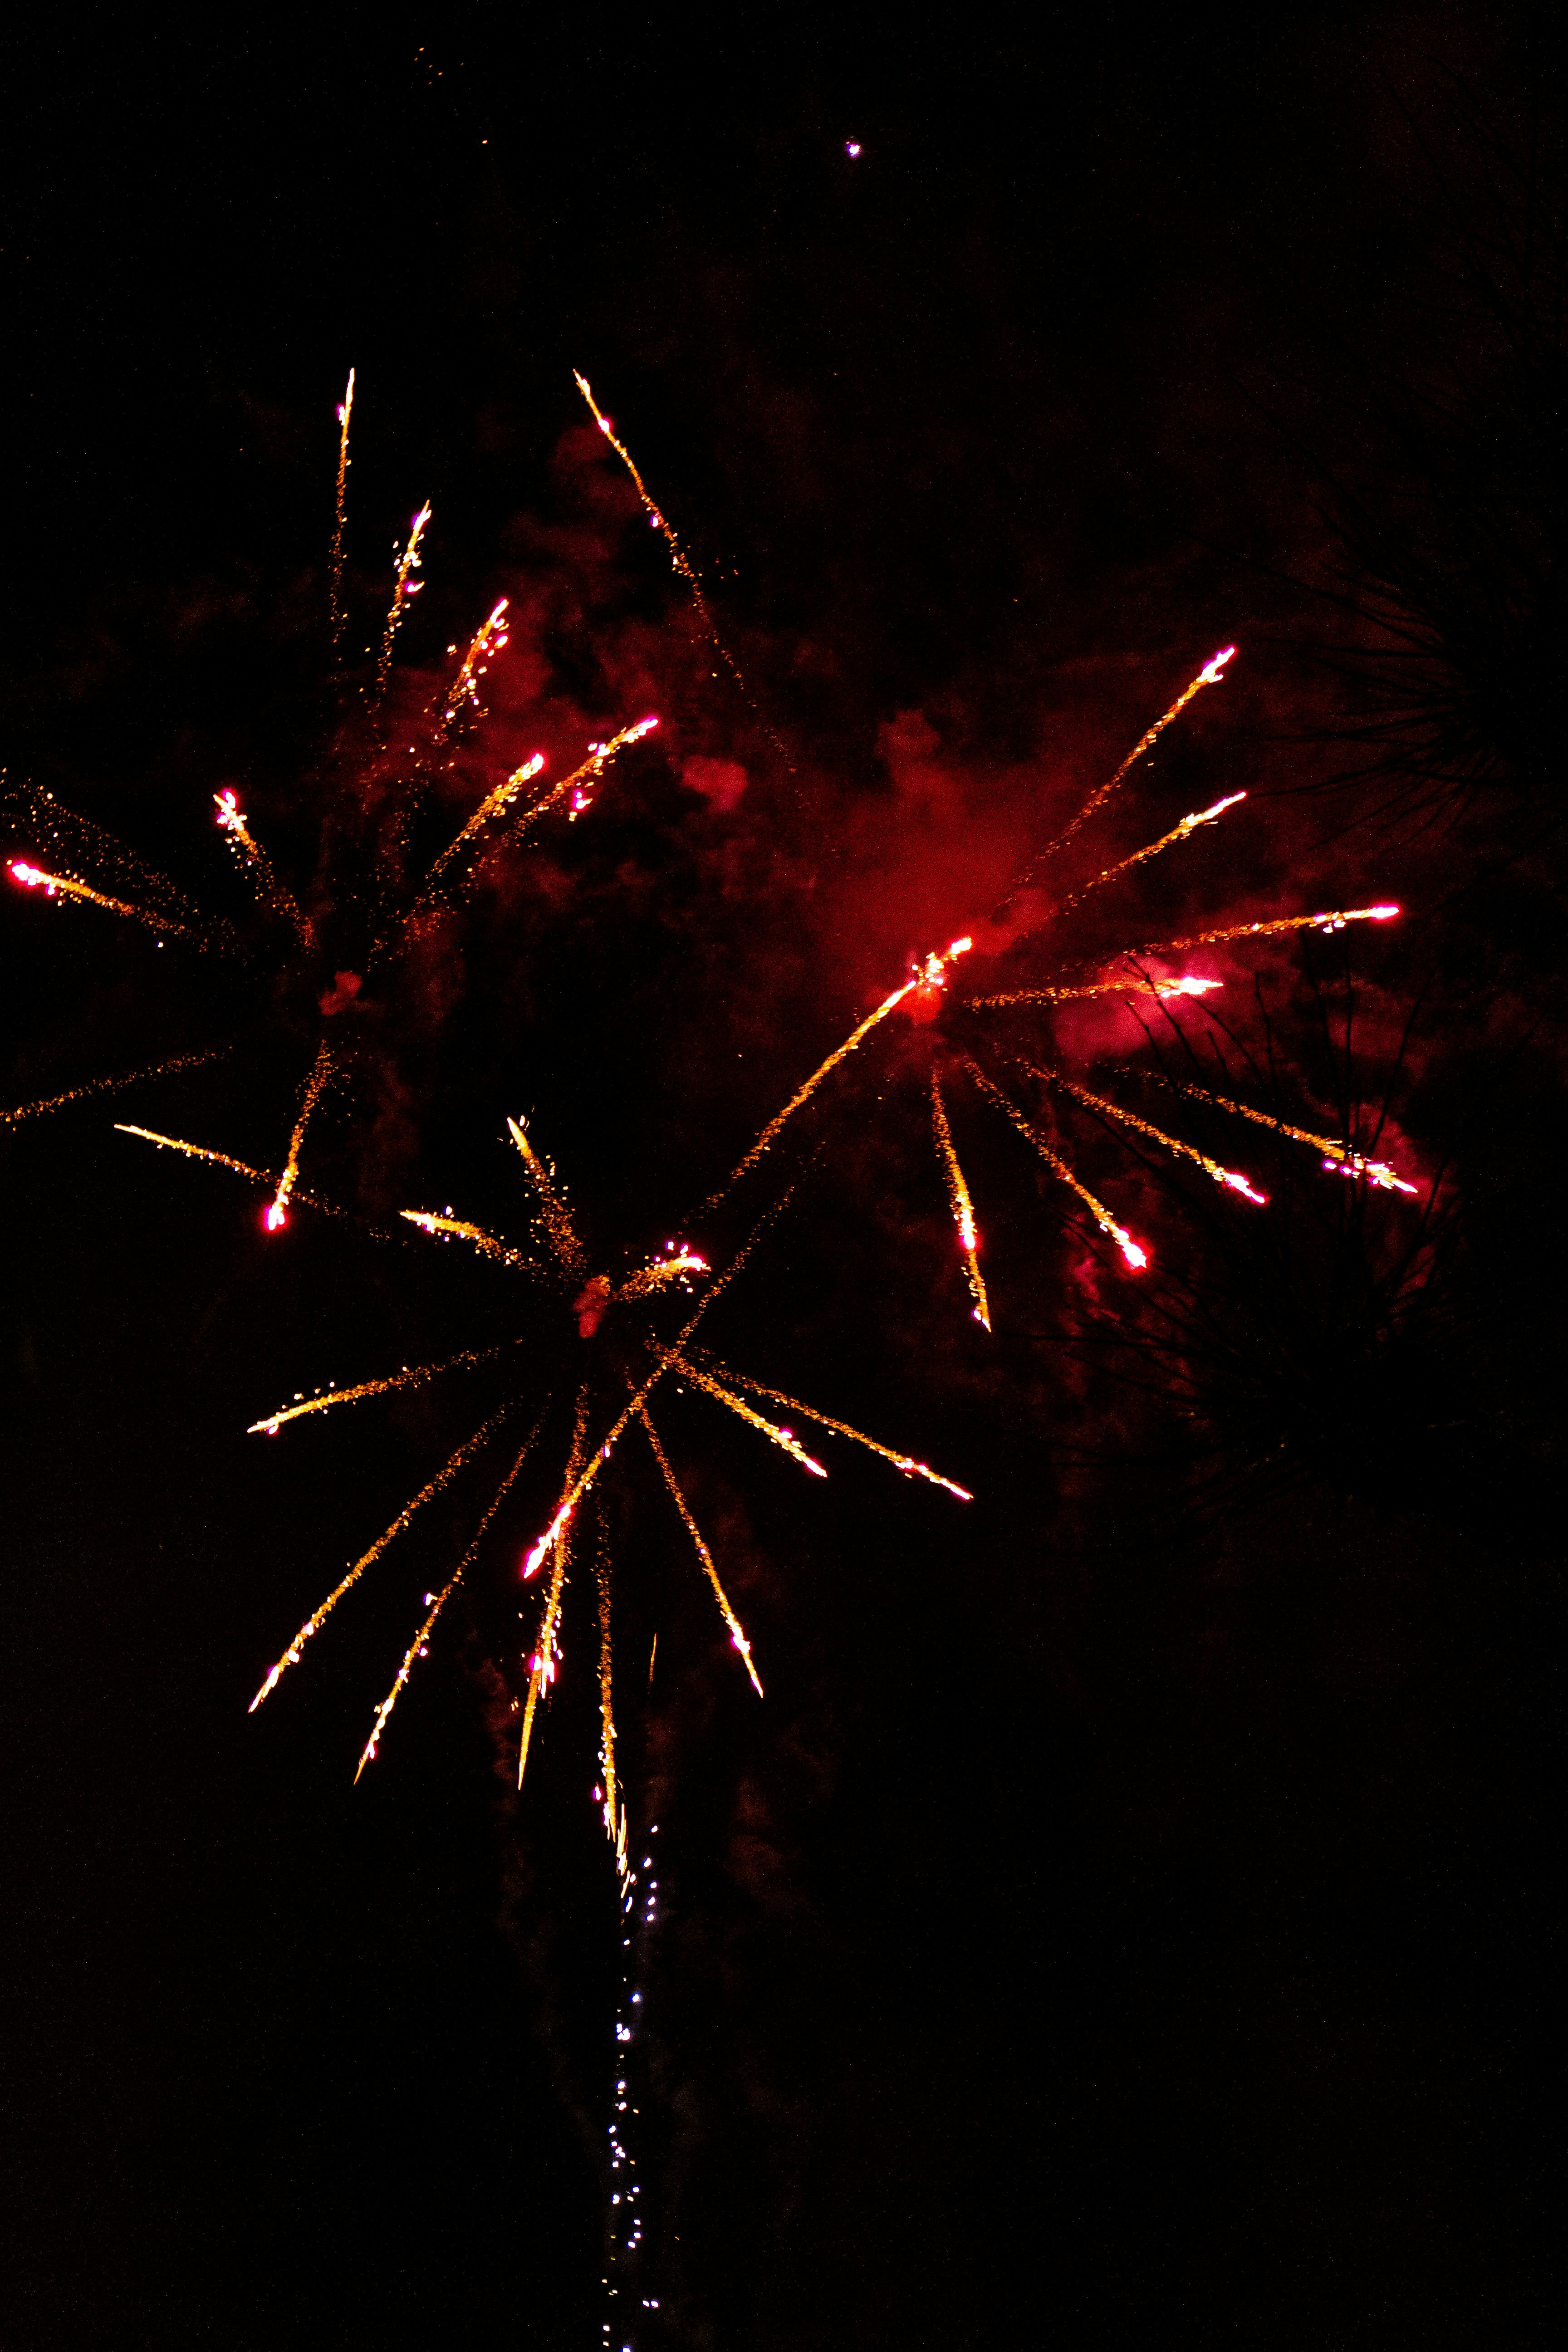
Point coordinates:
[[28, 874]]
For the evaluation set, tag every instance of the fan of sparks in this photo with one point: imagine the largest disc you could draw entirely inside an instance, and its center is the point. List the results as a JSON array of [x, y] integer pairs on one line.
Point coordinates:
[[623, 1350], [974, 1042], [371, 906]]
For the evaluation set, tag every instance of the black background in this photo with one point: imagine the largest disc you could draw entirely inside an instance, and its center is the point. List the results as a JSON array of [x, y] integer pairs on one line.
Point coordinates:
[[1117, 1927]]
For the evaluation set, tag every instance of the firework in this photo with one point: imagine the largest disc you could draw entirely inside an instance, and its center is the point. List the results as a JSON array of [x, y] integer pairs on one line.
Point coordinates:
[[960, 1031], [75, 862], [616, 1388], [340, 511]]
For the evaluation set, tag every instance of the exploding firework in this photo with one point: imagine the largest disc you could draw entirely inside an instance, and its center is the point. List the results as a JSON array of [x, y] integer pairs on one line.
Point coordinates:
[[629, 1343], [990, 1044], [320, 956]]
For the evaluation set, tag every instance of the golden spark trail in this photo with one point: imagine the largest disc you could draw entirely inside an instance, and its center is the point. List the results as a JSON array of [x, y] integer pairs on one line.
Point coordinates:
[[554, 1214], [1211, 674], [1334, 919], [488, 638], [340, 510], [224, 1160], [449, 1470], [1343, 1156], [263, 873], [1138, 985], [654, 1276], [417, 1648], [679, 558], [81, 847], [601, 1454], [1188, 826], [783, 1438], [963, 1208], [904, 1462], [1136, 1256], [408, 561], [407, 1379], [930, 974], [112, 1085], [542, 1669], [737, 1630], [460, 1229], [614, 1820], [1225, 1176], [579, 785], [33, 877], [278, 1215]]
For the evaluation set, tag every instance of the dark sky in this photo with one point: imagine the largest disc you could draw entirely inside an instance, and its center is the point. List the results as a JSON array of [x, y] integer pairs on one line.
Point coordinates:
[[1120, 1924]]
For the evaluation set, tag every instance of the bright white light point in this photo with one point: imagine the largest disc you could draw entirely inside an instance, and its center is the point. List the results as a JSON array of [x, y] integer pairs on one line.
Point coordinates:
[[1381, 914], [852, 148], [277, 1216]]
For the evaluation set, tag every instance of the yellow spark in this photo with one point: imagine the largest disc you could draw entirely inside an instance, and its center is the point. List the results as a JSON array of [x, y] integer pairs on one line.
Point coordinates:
[[1136, 1256], [1225, 1176], [681, 561], [542, 1669], [784, 1439], [1343, 1156], [340, 510], [660, 1270], [614, 1822], [488, 638], [904, 1462], [270, 1425], [1136, 984], [1334, 919], [1211, 674], [554, 1214], [112, 1085], [404, 587], [460, 1229], [417, 1646], [928, 973], [278, 1215], [33, 877], [231, 818], [737, 1630], [958, 1194], [577, 788], [1178, 833], [577, 1488], [449, 1469]]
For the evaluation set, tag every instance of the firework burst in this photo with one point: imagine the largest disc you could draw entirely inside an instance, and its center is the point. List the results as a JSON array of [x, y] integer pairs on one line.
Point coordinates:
[[631, 1341], [318, 953], [991, 1045]]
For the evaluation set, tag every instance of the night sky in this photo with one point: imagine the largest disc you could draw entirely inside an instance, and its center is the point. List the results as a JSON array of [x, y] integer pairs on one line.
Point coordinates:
[[1123, 1921]]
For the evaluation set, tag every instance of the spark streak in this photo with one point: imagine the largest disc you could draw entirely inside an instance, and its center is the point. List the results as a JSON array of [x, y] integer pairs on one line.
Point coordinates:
[[614, 1818], [1136, 1256], [112, 1085], [1225, 1176], [1333, 921], [1343, 1156], [1178, 833], [784, 1439], [417, 1648], [404, 587], [1211, 674], [448, 1470], [554, 1214], [340, 510], [428, 1222], [489, 639], [681, 561], [904, 1462], [930, 974], [278, 1215], [231, 818], [33, 877], [1136, 985], [958, 1194], [542, 1669], [407, 1379], [737, 1630]]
